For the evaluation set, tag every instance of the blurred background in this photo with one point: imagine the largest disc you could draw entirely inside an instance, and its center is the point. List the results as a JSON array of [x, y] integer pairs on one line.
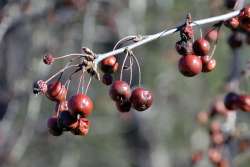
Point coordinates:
[[163, 136]]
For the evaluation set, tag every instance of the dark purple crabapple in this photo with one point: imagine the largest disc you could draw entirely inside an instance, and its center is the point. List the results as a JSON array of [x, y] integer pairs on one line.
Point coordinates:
[[120, 91], [201, 47], [141, 99]]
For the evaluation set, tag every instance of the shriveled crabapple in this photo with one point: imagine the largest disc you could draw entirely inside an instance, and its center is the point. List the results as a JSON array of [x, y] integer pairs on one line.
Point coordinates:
[[201, 47], [109, 65], [40, 86], [186, 32], [82, 127], [184, 47], [53, 127], [80, 104], [57, 91], [141, 99], [120, 91], [48, 59], [190, 65]]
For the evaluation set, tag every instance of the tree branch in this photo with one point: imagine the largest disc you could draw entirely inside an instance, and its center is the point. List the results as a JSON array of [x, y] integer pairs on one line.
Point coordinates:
[[149, 38]]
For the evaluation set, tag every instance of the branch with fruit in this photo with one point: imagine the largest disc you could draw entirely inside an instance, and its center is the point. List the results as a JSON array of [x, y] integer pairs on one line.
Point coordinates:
[[196, 57]]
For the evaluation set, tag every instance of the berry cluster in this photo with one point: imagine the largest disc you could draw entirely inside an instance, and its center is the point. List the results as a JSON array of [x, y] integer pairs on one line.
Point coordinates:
[[120, 91], [240, 26], [195, 58], [218, 135], [69, 115]]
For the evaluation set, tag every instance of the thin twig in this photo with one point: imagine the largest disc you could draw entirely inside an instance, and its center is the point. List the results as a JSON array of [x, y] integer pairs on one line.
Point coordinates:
[[164, 33]]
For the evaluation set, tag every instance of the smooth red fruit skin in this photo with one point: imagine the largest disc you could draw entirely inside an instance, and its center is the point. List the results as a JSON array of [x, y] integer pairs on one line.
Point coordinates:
[[212, 35], [232, 23], [209, 66], [201, 47], [53, 127], [107, 79], [66, 120], [190, 65], [109, 65], [120, 91], [80, 104], [56, 91], [231, 101], [123, 106], [141, 99], [244, 103]]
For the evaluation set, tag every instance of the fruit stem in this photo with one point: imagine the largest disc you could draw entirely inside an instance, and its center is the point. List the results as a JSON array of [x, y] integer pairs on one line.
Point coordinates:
[[80, 82], [123, 64], [61, 71], [87, 88], [138, 66], [69, 55], [131, 70]]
